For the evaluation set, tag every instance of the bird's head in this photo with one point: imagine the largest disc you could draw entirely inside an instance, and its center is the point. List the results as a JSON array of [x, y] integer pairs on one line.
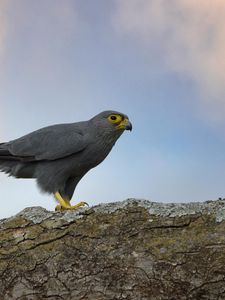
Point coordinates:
[[112, 121]]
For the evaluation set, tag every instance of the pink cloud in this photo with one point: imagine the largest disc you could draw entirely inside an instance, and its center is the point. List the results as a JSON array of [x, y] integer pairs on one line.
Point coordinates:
[[192, 36], [48, 26], [3, 25]]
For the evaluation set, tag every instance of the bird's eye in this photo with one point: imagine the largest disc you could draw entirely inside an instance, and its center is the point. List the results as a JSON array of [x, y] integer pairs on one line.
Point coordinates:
[[115, 119]]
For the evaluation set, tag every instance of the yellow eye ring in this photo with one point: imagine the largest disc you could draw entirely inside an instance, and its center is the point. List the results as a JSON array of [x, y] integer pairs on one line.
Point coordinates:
[[114, 119]]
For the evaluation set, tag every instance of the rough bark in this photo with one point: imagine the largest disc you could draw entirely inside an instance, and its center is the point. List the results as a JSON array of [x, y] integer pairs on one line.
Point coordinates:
[[133, 249]]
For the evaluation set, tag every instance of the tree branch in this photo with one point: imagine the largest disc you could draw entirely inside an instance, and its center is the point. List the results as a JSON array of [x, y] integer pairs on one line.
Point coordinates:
[[133, 249]]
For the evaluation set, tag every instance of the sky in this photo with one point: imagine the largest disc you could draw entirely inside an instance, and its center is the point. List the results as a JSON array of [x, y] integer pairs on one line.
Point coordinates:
[[160, 62]]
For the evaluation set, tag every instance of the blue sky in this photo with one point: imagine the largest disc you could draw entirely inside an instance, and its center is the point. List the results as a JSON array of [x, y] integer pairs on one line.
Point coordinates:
[[163, 65]]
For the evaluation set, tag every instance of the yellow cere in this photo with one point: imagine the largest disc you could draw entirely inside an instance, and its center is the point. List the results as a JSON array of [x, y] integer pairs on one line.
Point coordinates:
[[122, 124]]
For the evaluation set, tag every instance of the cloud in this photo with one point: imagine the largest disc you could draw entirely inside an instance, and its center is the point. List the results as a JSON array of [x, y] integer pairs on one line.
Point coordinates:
[[39, 34], [190, 37], [3, 32], [54, 26], [35, 40], [3, 25]]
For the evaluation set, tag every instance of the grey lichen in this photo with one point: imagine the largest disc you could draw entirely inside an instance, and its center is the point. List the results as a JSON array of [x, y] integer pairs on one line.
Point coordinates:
[[170, 210], [220, 215], [35, 214], [166, 209]]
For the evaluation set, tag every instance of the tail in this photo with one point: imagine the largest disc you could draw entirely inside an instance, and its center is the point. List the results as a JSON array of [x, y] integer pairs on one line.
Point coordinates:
[[14, 165]]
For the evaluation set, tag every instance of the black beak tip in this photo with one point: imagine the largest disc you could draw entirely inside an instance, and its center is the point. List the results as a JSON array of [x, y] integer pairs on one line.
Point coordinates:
[[129, 126]]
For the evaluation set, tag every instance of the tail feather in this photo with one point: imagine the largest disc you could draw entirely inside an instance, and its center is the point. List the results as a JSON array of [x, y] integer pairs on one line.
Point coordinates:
[[7, 166], [16, 166], [5, 154], [18, 169]]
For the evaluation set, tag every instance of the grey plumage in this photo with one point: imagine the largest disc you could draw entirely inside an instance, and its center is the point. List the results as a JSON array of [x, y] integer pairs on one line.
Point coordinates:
[[59, 156]]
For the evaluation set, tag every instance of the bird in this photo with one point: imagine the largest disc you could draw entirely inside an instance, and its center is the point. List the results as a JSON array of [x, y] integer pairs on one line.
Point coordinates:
[[58, 156]]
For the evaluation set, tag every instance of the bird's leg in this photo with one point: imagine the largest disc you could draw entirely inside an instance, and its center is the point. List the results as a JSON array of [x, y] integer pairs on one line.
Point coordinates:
[[65, 203]]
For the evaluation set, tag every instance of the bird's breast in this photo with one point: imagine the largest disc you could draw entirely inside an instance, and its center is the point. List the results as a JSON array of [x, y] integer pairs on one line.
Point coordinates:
[[91, 156]]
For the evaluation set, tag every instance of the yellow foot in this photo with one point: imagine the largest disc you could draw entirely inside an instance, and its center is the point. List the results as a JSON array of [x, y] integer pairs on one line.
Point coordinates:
[[65, 203], [61, 208], [80, 204]]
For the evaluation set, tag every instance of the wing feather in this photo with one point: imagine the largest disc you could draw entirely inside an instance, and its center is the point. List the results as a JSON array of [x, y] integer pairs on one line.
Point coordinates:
[[49, 143]]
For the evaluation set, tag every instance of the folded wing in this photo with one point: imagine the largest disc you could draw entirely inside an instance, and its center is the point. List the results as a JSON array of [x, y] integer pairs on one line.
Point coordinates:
[[49, 143]]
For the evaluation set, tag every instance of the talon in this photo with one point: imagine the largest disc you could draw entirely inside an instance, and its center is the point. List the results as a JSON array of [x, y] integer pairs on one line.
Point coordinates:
[[59, 208], [80, 204]]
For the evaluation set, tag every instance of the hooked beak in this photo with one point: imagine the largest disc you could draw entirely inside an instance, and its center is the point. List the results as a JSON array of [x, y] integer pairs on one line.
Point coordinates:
[[128, 126], [125, 125]]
